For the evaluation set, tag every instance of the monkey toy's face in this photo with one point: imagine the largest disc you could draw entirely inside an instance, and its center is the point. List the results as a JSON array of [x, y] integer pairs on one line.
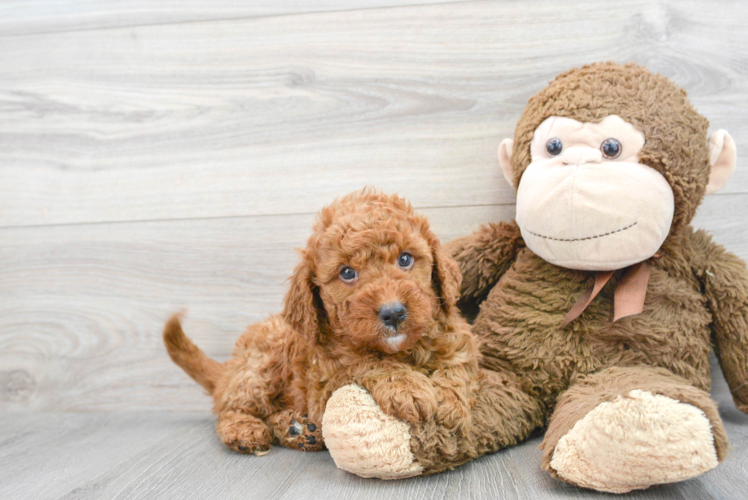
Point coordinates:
[[585, 201]]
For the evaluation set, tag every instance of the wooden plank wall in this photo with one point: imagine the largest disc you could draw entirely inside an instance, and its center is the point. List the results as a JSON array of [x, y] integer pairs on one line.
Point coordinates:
[[154, 159]]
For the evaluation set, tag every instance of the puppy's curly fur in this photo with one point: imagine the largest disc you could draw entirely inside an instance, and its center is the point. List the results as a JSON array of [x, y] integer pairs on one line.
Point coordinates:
[[283, 370]]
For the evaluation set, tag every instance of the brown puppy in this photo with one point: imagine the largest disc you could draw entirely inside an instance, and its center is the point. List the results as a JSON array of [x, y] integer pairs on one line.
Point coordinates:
[[372, 302]]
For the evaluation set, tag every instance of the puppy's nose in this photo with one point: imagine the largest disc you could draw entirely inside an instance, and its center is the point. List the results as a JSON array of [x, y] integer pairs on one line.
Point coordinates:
[[392, 314]]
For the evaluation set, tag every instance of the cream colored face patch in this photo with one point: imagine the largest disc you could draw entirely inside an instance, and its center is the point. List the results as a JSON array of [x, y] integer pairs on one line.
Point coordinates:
[[585, 202]]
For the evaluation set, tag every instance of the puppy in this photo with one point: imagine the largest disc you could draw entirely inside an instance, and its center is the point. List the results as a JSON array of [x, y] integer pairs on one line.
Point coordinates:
[[371, 302]]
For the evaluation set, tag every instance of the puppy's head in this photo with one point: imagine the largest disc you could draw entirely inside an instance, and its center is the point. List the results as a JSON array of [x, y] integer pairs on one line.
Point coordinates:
[[372, 276]]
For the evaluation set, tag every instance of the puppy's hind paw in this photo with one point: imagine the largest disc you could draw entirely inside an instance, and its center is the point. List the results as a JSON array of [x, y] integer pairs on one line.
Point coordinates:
[[304, 436], [297, 431]]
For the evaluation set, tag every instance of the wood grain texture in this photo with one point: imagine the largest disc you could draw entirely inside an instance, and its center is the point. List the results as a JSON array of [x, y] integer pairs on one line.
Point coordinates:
[[158, 156], [280, 114], [178, 456], [24, 17], [83, 306]]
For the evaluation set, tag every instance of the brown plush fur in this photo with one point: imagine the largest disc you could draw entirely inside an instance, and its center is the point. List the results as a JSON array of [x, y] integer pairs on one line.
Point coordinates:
[[590, 390], [502, 415], [675, 132], [697, 295], [275, 387]]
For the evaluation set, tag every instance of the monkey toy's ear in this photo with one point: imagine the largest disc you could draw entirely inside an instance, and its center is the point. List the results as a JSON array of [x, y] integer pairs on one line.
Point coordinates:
[[505, 160], [722, 159]]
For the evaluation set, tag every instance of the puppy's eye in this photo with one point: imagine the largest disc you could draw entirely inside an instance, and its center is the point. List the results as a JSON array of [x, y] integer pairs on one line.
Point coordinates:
[[611, 148], [405, 260], [554, 146], [348, 274]]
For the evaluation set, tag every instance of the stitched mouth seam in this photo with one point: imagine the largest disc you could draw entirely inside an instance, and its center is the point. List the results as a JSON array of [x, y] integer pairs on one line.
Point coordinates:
[[583, 239]]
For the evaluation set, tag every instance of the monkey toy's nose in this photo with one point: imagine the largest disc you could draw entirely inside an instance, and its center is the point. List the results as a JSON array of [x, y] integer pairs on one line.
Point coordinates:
[[392, 314], [581, 155]]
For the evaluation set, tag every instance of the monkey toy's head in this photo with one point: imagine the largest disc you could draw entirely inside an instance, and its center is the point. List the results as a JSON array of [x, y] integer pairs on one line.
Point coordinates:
[[608, 161]]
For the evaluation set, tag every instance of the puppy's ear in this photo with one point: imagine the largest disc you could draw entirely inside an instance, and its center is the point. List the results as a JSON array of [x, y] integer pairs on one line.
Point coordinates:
[[446, 278], [301, 306]]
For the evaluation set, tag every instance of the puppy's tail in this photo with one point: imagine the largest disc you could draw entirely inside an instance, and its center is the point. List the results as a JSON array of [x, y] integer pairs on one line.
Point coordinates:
[[189, 357]]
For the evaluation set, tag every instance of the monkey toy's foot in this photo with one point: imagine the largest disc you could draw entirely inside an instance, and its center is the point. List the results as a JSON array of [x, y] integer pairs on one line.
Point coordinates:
[[365, 441], [635, 441]]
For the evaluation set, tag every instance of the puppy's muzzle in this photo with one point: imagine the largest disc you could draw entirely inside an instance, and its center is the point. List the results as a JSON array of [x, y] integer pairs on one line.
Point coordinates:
[[392, 314]]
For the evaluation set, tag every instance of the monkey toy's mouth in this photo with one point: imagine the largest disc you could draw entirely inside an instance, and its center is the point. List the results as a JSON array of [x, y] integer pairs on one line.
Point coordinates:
[[601, 235], [596, 250]]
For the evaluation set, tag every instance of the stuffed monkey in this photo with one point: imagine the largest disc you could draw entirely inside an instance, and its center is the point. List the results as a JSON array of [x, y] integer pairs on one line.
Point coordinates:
[[601, 303]]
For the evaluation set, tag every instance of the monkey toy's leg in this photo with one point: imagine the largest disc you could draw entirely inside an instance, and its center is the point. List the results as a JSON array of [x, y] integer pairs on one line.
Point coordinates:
[[365, 441], [623, 429]]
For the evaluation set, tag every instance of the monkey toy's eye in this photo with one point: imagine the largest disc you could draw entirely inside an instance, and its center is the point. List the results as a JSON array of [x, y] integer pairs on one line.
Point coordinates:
[[348, 274], [611, 148], [554, 146], [405, 260]]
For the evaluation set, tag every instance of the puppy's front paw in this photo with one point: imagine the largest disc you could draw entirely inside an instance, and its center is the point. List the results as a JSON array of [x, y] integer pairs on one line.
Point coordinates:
[[244, 433], [453, 412], [408, 399]]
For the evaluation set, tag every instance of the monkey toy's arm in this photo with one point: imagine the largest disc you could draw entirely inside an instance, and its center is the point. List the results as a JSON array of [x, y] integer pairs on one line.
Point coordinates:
[[484, 257], [725, 283]]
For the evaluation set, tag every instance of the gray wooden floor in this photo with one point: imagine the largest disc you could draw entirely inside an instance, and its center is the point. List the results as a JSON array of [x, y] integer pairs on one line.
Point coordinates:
[[176, 455], [158, 156]]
